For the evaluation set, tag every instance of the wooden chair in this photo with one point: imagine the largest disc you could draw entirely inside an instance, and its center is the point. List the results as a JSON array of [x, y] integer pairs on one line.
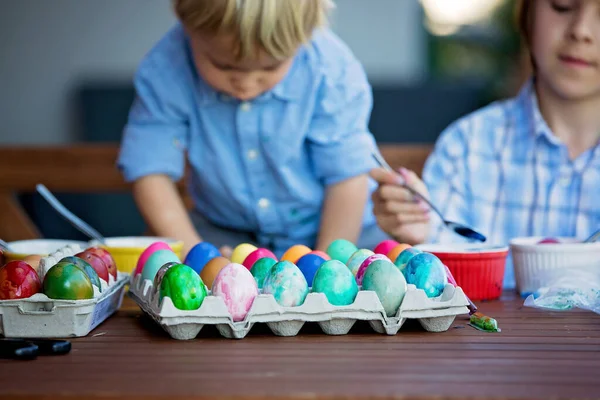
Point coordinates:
[[91, 168]]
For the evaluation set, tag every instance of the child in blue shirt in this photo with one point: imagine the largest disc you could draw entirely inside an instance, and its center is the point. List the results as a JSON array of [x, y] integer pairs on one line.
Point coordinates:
[[527, 166], [269, 109]]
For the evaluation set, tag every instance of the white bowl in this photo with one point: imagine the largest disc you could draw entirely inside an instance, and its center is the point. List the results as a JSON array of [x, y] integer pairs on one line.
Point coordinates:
[[43, 247], [536, 265]]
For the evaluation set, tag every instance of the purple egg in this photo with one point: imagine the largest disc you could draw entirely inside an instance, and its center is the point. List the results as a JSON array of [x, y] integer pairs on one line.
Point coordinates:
[[365, 264]]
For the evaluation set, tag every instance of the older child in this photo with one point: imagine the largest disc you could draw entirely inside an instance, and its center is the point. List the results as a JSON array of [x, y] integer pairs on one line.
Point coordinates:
[[527, 166], [270, 110]]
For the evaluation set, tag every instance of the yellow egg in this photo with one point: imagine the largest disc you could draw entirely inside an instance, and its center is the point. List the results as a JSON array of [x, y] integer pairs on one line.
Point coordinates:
[[33, 260], [242, 251]]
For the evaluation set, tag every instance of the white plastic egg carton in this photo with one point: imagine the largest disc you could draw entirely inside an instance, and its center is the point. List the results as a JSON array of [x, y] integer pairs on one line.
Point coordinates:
[[42, 317], [434, 314]]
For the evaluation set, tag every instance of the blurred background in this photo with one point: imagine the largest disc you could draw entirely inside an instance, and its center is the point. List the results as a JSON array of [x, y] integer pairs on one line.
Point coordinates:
[[66, 69]]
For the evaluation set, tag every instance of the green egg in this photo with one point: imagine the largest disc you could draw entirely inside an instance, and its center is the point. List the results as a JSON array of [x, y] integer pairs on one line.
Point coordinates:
[[66, 281], [334, 279], [260, 269], [87, 268], [184, 286], [341, 250], [385, 279]]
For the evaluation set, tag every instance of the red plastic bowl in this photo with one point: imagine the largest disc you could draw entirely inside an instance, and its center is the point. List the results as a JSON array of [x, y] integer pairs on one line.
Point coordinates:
[[477, 269]]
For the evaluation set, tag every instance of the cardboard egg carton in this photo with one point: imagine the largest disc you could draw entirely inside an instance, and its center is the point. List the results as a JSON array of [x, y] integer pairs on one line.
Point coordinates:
[[42, 317], [434, 314]]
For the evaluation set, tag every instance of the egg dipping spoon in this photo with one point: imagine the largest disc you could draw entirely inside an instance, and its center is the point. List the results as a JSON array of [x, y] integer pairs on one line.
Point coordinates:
[[460, 229]]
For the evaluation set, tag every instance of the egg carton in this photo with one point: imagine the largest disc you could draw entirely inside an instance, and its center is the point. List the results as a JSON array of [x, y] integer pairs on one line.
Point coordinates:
[[434, 314], [42, 317]]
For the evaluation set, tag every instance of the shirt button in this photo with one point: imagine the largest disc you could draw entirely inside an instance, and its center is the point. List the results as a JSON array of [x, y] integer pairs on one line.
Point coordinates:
[[264, 203], [252, 154], [245, 106], [564, 180]]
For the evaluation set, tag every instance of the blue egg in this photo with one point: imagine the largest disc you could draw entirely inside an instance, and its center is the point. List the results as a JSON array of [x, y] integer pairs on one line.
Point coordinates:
[[200, 255], [309, 264], [404, 257], [427, 272]]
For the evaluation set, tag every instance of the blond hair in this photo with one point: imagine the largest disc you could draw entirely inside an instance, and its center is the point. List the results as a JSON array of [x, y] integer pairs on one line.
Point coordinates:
[[278, 27]]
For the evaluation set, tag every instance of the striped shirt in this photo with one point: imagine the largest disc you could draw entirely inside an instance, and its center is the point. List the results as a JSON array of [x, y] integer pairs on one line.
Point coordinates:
[[503, 172]]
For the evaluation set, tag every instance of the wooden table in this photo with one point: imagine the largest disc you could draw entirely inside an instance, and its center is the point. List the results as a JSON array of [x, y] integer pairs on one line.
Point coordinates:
[[538, 354]]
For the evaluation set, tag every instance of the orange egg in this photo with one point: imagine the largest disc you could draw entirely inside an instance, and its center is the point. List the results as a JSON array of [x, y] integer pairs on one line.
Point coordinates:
[[211, 269], [393, 254], [294, 253], [33, 260]]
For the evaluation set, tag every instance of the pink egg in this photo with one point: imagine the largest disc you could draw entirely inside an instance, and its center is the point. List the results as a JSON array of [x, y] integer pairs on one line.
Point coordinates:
[[154, 247], [365, 264], [385, 247], [236, 285], [257, 255]]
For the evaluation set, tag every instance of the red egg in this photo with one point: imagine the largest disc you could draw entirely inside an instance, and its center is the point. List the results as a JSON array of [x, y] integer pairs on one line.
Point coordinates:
[[18, 280], [257, 255], [96, 263], [109, 261], [385, 247]]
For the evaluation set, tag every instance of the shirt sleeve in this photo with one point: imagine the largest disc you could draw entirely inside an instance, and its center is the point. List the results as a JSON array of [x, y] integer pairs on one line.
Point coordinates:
[[339, 141], [445, 177], [155, 136]]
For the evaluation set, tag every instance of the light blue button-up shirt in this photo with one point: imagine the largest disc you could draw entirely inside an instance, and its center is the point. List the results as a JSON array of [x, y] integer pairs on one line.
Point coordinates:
[[261, 165], [502, 171]]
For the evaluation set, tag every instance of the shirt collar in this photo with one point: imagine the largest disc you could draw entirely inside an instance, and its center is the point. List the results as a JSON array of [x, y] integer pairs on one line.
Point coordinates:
[[537, 124]]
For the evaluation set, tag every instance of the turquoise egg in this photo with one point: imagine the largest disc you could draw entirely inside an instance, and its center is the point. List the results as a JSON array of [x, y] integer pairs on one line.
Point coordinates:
[[260, 269], [385, 279], [341, 250], [357, 258], [404, 257], [427, 272], [157, 260], [335, 280], [287, 284]]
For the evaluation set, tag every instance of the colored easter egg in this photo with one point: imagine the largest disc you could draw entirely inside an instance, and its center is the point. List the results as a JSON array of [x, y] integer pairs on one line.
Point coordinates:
[[341, 250], [321, 254], [183, 286], [86, 267], [386, 280], [157, 260], [294, 253], [385, 247], [66, 281], [237, 287], [109, 261], [257, 255], [427, 272], [211, 270], [365, 265], [96, 263], [309, 264], [287, 284], [395, 252], [335, 280], [261, 268], [200, 255], [404, 257], [242, 251], [147, 253], [357, 258], [18, 280]]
